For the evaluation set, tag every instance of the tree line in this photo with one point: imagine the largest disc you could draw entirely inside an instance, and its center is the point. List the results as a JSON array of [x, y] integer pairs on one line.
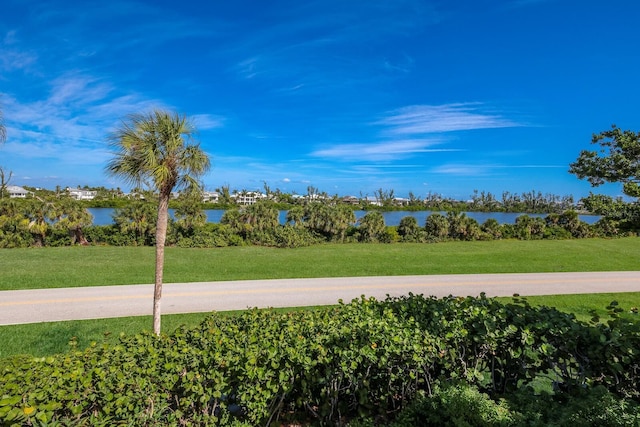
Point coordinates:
[[479, 201], [64, 221]]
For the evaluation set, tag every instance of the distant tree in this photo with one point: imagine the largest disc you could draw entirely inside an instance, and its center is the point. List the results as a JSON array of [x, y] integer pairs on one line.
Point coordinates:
[[529, 228], [344, 217], [75, 217], [189, 214], [312, 193], [492, 228], [437, 227], [40, 214], [233, 221], [372, 227], [409, 230], [384, 197], [156, 148], [4, 181], [260, 216], [461, 227], [414, 200], [137, 218], [224, 195], [617, 160], [14, 225], [267, 189], [295, 215], [484, 202]]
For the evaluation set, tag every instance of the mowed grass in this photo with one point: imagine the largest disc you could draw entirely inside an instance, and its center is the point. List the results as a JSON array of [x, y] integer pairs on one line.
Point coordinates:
[[97, 266]]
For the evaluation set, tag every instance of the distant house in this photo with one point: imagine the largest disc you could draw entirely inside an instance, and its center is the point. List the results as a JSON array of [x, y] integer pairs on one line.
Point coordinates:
[[80, 194], [248, 198], [210, 196], [373, 201], [350, 200], [16, 192], [401, 201]]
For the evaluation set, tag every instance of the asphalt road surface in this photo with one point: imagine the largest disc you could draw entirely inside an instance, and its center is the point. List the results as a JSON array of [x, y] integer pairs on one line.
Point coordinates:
[[49, 305]]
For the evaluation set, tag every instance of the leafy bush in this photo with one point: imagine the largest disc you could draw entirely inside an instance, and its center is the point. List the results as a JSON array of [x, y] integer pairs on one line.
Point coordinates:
[[456, 405], [366, 360]]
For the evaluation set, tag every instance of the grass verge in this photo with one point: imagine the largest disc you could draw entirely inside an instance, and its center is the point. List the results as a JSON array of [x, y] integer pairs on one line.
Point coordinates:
[[95, 266]]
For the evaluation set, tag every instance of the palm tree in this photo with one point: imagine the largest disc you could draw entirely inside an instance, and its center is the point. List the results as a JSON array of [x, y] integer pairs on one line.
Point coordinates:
[[371, 227], [295, 215], [157, 149], [344, 217], [74, 219], [189, 214], [40, 214], [136, 218], [260, 216]]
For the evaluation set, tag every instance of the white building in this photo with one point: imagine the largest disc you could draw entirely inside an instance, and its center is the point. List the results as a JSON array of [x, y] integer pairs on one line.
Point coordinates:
[[80, 194], [248, 198], [210, 196], [16, 192]]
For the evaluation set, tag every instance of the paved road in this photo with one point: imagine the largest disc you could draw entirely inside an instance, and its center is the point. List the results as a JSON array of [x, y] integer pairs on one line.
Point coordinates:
[[47, 305]]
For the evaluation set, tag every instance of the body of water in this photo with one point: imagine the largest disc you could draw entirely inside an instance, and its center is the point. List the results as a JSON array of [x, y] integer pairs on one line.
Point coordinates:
[[104, 216]]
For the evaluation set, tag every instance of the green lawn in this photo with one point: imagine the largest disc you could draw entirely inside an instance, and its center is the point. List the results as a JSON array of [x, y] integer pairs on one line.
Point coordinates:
[[95, 266]]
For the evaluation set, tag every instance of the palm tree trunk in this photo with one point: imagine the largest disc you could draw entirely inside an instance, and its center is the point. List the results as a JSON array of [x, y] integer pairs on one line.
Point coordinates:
[[161, 236]]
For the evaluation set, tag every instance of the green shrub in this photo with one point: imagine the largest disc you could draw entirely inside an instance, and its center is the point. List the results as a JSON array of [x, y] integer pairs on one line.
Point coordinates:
[[456, 405], [366, 360]]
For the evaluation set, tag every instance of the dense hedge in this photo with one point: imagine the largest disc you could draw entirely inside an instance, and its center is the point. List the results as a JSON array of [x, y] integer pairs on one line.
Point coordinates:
[[364, 360]]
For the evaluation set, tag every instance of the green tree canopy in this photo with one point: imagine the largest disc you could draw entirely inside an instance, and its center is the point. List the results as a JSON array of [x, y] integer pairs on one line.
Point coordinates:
[[617, 160]]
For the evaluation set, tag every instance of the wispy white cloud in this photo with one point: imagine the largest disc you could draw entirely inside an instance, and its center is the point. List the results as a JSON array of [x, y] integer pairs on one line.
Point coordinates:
[[534, 166], [386, 150], [416, 129], [48, 148], [207, 121], [12, 57], [426, 119], [462, 169], [72, 123], [248, 68]]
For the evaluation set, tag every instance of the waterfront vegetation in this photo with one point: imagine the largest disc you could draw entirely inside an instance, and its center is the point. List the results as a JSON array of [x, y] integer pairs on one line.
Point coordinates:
[[53, 219], [65, 222]]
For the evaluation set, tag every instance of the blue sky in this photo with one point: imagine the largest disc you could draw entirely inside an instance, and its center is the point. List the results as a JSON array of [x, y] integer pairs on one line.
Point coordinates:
[[345, 96]]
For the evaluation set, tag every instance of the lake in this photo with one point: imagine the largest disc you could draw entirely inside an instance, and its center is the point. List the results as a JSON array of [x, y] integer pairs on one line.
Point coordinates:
[[103, 216]]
